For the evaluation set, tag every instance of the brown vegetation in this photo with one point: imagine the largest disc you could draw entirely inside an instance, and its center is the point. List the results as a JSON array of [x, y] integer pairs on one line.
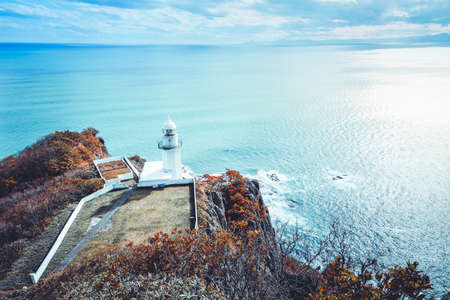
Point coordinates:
[[40, 181], [51, 156], [138, 162], [236, 263], [235, 257], [112, 169]]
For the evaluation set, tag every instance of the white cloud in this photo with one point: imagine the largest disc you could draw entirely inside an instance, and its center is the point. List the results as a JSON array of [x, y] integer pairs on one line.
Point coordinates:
[[269, 36], [235, 21], [247, 17], [391, 30], [83, 18], [252, 2], [236, 13], [340, 1], [112, 19], [337, 21], [397, 13], [225, 7], [28, 10], [302, 20]]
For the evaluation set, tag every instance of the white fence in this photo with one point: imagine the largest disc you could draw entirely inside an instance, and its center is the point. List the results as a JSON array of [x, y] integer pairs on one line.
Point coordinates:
[[165, 182], [195, 206], [130, 164], [109, 186], [37, 275]]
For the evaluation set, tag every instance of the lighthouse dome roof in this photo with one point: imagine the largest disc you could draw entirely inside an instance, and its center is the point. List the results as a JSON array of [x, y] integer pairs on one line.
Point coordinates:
[[169, 124]]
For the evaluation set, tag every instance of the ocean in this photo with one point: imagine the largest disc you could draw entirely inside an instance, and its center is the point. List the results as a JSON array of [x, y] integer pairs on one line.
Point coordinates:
[[356, 133]]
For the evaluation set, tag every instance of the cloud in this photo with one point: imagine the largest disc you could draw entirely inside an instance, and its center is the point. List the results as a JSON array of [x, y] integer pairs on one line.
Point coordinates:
[[34, 10], [230, 6], [170, 19], [166, 19], [247, 18], [236, 13], [397, 13], [209, 21], [391, 30], [337, 21], [340, 1], [123, 3], [269, 36]]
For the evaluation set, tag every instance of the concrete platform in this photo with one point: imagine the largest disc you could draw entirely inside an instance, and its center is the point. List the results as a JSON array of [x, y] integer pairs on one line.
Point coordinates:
[[153, 173]]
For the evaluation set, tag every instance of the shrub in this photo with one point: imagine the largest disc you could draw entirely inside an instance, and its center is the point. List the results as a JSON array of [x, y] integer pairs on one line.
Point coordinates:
[[237, 261], [10, 252], [40, 181], [51, 156]]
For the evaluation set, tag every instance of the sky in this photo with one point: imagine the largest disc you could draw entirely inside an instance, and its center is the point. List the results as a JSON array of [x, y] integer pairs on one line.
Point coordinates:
[[222, 22]]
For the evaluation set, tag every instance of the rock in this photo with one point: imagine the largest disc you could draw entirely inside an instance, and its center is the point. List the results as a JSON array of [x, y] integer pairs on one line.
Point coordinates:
[[273, 177], [213, 205]]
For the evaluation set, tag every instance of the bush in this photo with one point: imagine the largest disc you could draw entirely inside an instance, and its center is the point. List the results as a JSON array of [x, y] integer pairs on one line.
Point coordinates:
[[237, 262], [51, 156], [40, 181], [10, 252]]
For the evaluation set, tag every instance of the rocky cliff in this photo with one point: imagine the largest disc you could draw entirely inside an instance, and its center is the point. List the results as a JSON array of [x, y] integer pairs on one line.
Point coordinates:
[[215, 205]]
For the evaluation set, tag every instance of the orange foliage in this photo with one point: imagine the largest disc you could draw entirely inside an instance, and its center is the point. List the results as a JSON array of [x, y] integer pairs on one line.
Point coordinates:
[[195, 253], [243, 212], [236, 258], [341, 283], [51, 156], [239, 250], [41, 180]]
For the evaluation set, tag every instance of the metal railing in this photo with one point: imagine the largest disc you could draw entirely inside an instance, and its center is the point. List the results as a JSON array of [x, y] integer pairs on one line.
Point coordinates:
[[164, 147]]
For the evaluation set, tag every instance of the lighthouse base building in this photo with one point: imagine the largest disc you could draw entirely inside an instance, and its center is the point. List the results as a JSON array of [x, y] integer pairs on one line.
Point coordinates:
[[170, 170]]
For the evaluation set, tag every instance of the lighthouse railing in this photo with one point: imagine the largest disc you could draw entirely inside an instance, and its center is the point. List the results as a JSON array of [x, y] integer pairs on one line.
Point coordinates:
[[161, 146]]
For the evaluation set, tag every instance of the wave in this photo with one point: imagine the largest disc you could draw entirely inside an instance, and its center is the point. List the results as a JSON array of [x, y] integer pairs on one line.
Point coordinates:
[[341, 180], [278, 194]]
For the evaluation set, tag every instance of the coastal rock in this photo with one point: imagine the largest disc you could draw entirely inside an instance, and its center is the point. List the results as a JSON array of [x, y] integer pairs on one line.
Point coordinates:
[[213, 212], [213, 205]]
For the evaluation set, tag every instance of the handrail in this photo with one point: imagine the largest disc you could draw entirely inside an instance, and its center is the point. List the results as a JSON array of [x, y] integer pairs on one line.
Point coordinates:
[[195, 205]]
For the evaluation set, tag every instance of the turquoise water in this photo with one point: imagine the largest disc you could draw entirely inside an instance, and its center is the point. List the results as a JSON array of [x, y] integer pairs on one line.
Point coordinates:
[[381, 117]]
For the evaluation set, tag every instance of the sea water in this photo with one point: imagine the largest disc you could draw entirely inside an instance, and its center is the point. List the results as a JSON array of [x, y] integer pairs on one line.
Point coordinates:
[[358, 133]]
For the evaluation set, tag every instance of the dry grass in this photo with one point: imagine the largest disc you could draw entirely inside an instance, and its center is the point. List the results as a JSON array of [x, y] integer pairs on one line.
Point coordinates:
[[112, 169], [95, 208], [146, 212]]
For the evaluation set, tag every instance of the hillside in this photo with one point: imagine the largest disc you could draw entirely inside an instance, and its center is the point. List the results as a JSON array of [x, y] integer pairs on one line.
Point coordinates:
[[235, 254], [40, 181]]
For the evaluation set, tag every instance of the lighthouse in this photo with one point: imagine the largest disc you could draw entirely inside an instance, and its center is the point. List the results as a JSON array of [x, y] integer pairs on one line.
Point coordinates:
[[170, 145], [169, 170]]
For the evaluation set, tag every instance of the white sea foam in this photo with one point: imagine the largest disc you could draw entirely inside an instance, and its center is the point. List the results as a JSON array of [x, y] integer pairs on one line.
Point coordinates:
[[341, 180], [275, 188]]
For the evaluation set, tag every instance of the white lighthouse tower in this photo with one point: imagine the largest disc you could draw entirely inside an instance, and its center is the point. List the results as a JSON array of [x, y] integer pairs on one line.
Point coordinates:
[[170, 170], [171, 149]]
